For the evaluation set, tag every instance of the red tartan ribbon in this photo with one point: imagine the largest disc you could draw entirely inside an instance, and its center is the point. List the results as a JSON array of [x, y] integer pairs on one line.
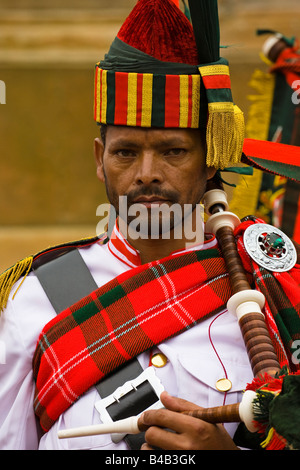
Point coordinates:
[[136, 310], [121, 319]]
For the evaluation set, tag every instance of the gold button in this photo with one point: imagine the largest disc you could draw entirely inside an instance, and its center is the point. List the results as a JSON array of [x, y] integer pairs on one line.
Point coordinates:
[[159, 360], [223, 385]]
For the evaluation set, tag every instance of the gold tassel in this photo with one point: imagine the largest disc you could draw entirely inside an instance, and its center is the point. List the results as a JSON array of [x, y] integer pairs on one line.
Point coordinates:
[[10, 277], [23, 267], [224, 135], [269, 437]]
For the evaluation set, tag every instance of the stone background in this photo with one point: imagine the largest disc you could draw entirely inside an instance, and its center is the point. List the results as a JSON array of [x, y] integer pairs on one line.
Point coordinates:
[[48, 187]]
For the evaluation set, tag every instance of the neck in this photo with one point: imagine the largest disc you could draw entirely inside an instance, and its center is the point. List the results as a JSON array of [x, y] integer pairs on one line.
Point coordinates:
[[151, 250], [179, 238]]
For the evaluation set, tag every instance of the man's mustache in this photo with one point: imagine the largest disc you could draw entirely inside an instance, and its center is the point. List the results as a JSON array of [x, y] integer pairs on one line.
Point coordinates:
[[152, 191]]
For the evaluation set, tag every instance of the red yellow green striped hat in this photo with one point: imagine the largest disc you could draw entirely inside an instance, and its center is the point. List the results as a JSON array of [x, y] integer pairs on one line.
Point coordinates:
[[163, 70]]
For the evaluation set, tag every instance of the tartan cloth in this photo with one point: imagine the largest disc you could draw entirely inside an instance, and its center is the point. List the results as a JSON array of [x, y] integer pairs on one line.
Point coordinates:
[[137, 310]]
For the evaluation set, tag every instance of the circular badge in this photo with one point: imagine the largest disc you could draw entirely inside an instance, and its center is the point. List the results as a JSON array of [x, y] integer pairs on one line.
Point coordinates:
[[159, 360], [270, 247], [223, 385]]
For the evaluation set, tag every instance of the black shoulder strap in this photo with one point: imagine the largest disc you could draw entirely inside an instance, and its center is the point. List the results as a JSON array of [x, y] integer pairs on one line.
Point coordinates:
[[65, 280]]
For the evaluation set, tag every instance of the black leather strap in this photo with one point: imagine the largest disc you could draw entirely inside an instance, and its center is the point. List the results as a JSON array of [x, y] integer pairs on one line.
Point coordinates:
[[118, 377], [66, 280], [131, 370]]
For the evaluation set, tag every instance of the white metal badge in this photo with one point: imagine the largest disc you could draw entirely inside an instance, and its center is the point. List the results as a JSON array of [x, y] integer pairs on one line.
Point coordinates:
[[148, 375], [270, 248]]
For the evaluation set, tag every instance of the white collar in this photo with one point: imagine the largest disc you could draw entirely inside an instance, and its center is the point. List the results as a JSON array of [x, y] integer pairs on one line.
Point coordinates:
[[122, 250]]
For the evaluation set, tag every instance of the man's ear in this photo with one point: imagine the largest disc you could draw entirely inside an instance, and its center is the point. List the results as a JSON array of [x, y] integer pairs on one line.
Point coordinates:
[[98, 154], [211, 171]]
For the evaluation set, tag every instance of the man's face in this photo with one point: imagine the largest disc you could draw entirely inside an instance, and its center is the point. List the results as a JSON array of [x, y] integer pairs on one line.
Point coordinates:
[[152, 167]]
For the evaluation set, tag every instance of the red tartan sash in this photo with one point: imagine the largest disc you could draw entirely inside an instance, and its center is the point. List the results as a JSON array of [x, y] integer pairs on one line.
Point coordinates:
[[137, 310], [121, 319]]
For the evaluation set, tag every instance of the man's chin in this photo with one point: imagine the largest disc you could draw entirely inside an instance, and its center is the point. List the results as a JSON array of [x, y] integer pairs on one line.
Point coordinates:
[[147, 227]]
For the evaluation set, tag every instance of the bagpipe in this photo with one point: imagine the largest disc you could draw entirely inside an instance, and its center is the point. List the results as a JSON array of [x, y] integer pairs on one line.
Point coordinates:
[[270, 405]]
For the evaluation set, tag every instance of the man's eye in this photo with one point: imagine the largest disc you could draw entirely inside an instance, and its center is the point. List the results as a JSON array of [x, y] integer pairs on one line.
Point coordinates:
[[125, 153], [175, 152]]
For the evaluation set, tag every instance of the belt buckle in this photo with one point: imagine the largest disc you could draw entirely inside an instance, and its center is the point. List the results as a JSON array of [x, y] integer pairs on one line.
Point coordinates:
[[148, 375]]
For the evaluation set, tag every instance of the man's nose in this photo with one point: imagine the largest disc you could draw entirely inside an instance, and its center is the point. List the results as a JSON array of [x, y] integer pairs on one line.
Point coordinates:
[[149, 169]]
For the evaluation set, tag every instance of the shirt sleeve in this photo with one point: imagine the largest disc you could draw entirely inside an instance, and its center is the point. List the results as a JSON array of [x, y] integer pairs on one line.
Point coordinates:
[[18, 426]]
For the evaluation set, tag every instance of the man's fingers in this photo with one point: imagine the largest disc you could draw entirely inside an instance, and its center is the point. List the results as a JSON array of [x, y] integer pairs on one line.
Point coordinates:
[[167, 419], [177, 404], [146, 446]]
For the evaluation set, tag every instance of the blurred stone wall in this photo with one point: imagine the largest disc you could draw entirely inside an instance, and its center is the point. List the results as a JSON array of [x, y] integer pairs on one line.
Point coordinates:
[[48, 186]]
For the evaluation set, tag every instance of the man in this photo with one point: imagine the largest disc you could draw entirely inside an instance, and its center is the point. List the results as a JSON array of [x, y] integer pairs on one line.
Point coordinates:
[[165, 163], [154, 311], [154, 168]]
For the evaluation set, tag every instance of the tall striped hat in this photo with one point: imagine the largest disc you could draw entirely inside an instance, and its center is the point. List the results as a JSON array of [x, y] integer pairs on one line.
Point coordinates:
[[163, 70]]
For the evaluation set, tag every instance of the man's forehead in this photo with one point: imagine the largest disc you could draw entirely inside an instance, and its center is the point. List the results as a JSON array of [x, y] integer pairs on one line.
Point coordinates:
[[115, 133]]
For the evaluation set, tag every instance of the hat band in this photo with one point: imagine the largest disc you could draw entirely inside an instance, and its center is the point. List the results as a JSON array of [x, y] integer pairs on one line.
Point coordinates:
[[159, 100], [193, 101], [149, 100]]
